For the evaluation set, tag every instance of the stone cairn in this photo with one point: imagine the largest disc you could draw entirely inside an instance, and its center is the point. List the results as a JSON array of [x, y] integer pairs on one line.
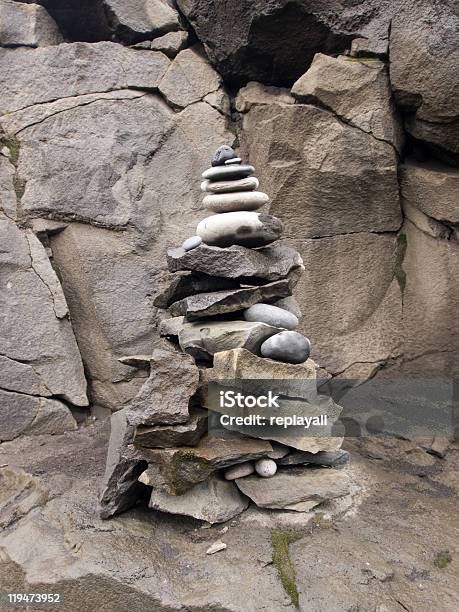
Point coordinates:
[[233, 320]]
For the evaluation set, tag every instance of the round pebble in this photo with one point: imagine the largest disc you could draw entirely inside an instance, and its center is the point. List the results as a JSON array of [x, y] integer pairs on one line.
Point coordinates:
[[192, 243], [249, 229], [229, 202], [287, 346], [222, 154], [239, 471], [266, 468], [250, 183], [272, 315], [236, 160], [224, 173]]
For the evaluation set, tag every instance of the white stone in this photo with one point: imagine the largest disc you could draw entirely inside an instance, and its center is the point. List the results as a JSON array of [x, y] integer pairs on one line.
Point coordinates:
[[229, 202], [245, 228], [191, 243], [266, 468], [216, 547], [239, 471]]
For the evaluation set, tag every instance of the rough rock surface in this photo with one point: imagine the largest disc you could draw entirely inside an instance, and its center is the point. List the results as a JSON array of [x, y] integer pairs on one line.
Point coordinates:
[[43, 75], [216, 500], [133, 21], [358, 92], [204, 305], [170, 43], [256, 93], [297, 489], [324, 177], [164, 397], [164, 436], [38, 348], [246, 40], [267, 263], [424, 61], [189, 78], [27, 25]]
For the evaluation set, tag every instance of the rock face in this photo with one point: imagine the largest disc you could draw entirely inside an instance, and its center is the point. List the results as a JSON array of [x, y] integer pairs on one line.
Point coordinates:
[[358, 92], [246, 40], [27, 25], [318, 154], [215, 501], [297, 489], [141, 20], [204, 305], [424, 60], [39, 354]]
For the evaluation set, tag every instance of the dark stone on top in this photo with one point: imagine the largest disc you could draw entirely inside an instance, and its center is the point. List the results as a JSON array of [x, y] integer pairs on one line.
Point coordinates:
[[223, 154]]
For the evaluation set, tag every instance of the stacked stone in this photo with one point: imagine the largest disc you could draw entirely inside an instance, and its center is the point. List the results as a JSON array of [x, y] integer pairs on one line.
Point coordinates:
[[232, 306]]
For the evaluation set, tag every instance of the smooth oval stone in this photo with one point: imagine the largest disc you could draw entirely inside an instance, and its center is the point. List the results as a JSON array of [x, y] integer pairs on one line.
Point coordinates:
[[224, 173], [236, 160], [239, 471], [265, 468], [222, 154], [229, 202], [245, 184], [191, 243], [272, 315], [244, 228], [287, 346]]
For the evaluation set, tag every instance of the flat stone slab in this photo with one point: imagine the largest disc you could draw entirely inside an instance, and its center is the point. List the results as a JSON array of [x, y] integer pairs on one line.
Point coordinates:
[[202, 339], [164, 397], [215, 500], [267, 263], [297, 489], [224, 173], [169, 436], [229, 202], [202, 305], [245, 184], [175, 470], [242, 227], [184, 285]]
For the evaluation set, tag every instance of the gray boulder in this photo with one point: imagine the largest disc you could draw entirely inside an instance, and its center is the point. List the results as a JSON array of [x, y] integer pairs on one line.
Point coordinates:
[[133, 21], [267, 263], [356, 91], [215, 500], [168, 436], [424, 61], [189, 78], [27, 25], [274, 42], [287, 346], [299, 489], [165, 396], [204, 305], [170, 43]]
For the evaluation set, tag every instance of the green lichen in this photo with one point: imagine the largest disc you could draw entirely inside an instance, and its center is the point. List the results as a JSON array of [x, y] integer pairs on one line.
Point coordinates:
[[442, 559], [12, 145], [360, 59], [280, 541], [399, 272]]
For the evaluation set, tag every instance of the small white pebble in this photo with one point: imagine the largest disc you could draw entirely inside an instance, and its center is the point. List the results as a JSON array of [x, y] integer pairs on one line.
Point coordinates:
[[266, 468], [224, 529], [216, 547]]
